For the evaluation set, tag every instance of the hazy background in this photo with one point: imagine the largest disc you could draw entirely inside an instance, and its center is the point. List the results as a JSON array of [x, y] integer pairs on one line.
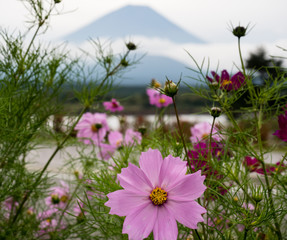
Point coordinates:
[[207, 19]]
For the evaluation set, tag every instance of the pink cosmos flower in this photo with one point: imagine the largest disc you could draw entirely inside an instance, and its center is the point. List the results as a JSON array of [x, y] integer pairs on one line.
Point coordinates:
[[132, 137], [282, 132], [113, 106], [106, 151], [158, 99], [156, 195], [92, 127], [59, 196], [226, 82], [201, 131]]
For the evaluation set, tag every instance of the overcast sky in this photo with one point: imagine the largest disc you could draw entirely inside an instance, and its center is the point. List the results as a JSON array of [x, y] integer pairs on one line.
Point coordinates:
[[207, 19]]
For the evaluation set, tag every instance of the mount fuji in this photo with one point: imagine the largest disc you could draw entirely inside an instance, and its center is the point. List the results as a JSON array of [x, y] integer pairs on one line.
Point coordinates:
[[134, 21]]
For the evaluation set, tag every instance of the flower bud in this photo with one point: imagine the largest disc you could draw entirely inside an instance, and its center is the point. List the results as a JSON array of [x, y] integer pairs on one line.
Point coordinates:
[[215, 112], [170, 88], [57, 1], [239, 31], [124, 62], [155, 84], [257, 194], [131, 46], [142, 130]]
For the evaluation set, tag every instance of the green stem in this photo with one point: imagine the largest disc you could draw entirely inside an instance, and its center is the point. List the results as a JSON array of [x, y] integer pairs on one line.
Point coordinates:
[[269, 188], [37, 181], [241, 58], [181, 134]]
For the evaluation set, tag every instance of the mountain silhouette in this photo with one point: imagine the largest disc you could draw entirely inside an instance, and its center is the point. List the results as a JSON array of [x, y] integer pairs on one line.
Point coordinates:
[[131, 21], [157, 67]]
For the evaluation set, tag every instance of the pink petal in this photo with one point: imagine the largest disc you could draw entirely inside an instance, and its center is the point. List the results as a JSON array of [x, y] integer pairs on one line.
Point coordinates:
[[133, 179], [187, 213], [150, 163], [189, 188], [124, 202], [139, 224], [172, 170], [165, 226]]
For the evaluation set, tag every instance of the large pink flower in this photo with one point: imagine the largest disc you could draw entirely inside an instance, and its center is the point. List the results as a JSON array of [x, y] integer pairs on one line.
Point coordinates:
[[92, 126], [158, 99], [113, 106], [226, 82], [201, 131], [282, 132], [156, 195]]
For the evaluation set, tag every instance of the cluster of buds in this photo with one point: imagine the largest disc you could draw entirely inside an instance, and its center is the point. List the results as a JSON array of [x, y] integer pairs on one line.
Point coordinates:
[[170, 88]]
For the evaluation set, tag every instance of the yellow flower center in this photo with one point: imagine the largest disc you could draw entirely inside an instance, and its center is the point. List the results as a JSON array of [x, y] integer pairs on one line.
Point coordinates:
[[205, 135], [118, 143], [64, 198], [226, 82], [48, 220], [161, 100], [158, 196]]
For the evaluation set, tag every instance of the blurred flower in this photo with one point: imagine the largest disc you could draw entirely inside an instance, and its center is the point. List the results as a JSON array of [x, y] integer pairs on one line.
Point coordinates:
[[201, 131], [9, 205], [58, 197], [116, 140], [113, 106], [156, 195], [132, 137], [158, 99], [251, 163], [92, 127], [282, 132], [227, 83]]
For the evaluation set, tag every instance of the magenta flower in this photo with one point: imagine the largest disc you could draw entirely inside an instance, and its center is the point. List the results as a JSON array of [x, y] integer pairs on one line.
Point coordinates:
[[251, 163], [113, 106], [158, 99], [282, 132], [201, 131], [156, 195], [226, 82], [92, 127]]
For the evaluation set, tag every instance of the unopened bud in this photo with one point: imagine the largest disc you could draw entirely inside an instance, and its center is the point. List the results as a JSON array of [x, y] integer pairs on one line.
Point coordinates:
[[215, 112], [239, 31], [257, 194], [170, 88], [131, 46], [142, 130], [124, 62]]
